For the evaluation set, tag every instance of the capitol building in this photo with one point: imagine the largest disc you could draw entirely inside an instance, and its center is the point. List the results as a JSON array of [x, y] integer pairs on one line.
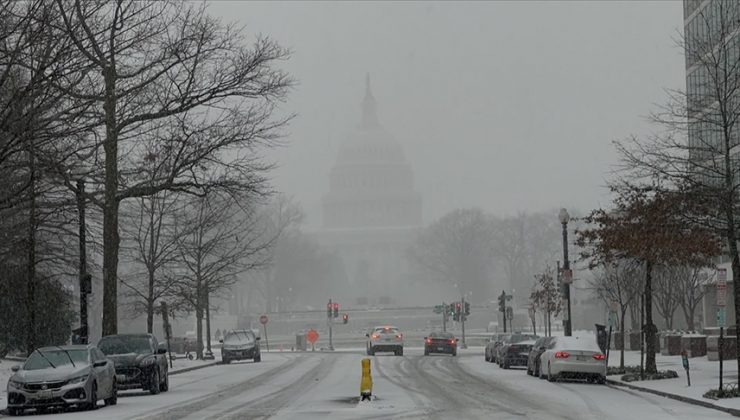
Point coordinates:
[[371, 213]]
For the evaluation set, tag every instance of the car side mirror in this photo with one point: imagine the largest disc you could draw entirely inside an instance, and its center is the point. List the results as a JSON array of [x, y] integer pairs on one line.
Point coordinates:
[[15, 368], [367, 335], [161, 351], [221, 341], [100, 363], [258, 338]]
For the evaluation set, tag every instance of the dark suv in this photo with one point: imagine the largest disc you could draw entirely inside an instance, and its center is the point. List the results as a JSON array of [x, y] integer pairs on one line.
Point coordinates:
[[138, 360], [240, 345]]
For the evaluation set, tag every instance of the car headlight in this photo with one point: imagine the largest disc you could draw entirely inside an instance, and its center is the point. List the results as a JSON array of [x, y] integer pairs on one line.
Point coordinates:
[[148, 361], [77, 380], [15, 384]]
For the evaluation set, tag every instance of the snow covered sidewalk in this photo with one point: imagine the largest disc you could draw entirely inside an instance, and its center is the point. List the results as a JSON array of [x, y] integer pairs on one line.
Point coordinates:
[[704, 376]]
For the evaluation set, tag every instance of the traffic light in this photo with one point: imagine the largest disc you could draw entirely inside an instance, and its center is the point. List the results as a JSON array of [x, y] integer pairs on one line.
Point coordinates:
[[467, 309], [328, 309], [336, 310], [458, 311], [86, 284], [450, 309], [502, 302], [345, 318]]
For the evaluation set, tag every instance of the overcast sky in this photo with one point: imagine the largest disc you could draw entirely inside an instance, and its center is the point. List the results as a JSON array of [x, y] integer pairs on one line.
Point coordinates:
[[507, 106]]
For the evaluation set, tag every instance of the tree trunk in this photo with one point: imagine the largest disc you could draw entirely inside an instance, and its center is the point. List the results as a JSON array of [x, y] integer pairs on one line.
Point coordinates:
[[111, 239], [650, 330], [735, 281], [622, 338], [199, 332], [208, 323], [149, 315], [31, 268], [689, 318]]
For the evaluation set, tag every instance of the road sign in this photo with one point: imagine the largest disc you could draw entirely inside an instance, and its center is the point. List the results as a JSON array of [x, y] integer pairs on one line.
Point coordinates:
[[613, 320], [263, 319], [721, 317], [312, 336], [509, 313], [721, 287]]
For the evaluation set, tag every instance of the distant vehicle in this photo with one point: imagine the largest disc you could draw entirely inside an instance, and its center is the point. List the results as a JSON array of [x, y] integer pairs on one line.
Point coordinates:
[[240, 345], [138, 360], [510, 339], [493, 342], [384, 338], [440, 342], [515, 354], [533, 360], [573, 358], [62, 376]]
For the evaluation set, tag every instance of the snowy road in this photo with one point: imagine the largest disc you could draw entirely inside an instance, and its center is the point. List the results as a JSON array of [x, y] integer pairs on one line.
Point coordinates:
[[317, 385]]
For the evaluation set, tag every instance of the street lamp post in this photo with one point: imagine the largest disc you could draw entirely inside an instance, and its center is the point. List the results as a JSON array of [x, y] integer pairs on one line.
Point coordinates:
[[564, 219]]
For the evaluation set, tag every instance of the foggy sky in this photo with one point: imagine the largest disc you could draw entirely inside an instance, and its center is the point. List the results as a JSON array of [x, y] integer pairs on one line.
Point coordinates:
[[506, 106]]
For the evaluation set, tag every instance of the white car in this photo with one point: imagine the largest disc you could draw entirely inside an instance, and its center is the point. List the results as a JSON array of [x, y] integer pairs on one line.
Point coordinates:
[[575, 358], [384, 338]]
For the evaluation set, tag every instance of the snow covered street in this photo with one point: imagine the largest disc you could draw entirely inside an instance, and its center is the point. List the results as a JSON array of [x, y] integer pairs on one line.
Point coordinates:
[[317, 385]]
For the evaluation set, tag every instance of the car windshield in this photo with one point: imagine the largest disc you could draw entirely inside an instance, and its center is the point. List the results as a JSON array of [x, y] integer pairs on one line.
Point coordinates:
[[577, 343], [518, 338], [124, 345], [54, 358], [235, 337], [387, 330]]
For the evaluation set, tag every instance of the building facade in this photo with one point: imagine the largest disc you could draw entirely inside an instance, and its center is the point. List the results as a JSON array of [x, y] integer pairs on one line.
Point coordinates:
[[371, 213]]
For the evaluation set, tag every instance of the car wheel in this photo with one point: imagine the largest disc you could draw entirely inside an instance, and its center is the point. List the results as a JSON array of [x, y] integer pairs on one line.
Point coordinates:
[[600, 380], [14, 412], [166, 383], [505, 365], [371, 352], [154, 383], [399, 352], [426, 352], [257, 358], [113, 398], [225, 360], [93, 404], [454, 353], [486, 358]]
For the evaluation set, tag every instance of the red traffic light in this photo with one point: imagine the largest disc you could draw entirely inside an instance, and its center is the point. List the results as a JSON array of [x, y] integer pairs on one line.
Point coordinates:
[[345, 318], [336, 306]]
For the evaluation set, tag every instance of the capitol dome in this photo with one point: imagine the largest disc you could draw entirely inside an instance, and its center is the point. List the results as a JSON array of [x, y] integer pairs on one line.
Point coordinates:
[[371, 184]]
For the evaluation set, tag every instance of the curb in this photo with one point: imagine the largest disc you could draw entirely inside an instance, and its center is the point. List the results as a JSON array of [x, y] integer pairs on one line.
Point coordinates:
[[15, 358], [192, 368], [615, 384]]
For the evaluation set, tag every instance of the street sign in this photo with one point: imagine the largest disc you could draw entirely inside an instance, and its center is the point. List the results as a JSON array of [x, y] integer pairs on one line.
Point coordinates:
[[263, 319], [613, 319], [509, 313], [312, 336], [721, 317], [721, 287]]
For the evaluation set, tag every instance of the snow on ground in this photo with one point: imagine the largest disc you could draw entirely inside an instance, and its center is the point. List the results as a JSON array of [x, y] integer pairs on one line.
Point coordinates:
[[587, 400], [5, 374], [704, 376]]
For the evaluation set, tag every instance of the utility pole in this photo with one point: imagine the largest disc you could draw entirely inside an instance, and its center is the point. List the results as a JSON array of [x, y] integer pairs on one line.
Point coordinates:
[[330, 320], [85, 279], [462, 319], [567, 276], [444, 317]]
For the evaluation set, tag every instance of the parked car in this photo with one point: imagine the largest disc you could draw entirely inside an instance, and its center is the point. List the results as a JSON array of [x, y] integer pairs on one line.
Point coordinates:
[[62, 376], [240, 345], [515, 354], [574, 358], [533, 360], [139, 361], [440, 342], [510, 339], [384, 338], [493, 342]]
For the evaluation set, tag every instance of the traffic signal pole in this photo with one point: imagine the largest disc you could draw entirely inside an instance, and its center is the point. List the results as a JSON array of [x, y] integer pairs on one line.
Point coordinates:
[[330, 320], [444, 317], [462, 320], [84, 286]]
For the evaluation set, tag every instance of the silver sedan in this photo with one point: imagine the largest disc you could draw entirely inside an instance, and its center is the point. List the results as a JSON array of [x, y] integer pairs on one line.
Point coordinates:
[[62, 376]]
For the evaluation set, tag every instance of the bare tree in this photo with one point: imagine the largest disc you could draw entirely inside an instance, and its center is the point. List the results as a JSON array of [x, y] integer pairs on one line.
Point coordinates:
[[150, 241], [173, 86], [690, 284], [666, 294], [458, 248], [618, 283], [222, 241], [698, 149], [546, 297]]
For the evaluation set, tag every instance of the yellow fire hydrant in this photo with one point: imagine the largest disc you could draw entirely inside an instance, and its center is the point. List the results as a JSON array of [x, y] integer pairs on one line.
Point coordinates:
[[366, 384]]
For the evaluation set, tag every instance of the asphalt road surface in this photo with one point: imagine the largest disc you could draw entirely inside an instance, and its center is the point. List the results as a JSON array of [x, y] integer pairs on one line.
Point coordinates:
[[320, 385]]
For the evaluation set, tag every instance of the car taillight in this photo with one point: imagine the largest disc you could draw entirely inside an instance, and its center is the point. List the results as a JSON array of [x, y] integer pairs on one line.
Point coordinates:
[[376, 336], [452, 341], [429, 341], [599, 356], [399, 335], [562, 355]]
